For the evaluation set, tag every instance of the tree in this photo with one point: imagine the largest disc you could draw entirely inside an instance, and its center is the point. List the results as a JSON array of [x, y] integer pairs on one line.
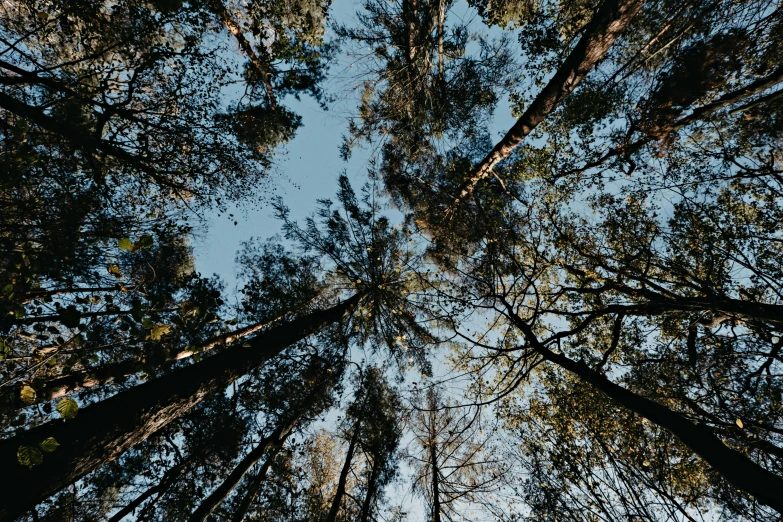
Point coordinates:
[[372, 428], [451, 457]]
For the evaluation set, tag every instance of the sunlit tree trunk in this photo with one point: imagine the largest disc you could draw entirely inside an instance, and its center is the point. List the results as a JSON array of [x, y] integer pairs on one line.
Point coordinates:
[[604, 28]]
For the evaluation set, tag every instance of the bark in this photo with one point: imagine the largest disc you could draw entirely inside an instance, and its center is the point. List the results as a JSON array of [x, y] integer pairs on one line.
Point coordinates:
[[435, 472], [234, 478], [258, 481], [78, 381], [603, 29], [160, 488], [103, 431], [340, 493], [368, 498], [220, 10], [737, 469]]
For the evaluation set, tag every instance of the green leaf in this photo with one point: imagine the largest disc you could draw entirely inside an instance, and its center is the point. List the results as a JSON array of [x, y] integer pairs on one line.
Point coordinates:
[[159, 330], [144, 241], [29, 456], [70, 316], [67, 408], [27, 394], [125, 244], [49, 445]]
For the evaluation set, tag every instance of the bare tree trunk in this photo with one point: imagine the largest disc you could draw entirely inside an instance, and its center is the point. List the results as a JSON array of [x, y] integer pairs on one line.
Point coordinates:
[[103, 431], [220, 10], [258, 480], [739, 470], [164, 483], [78, 381], [604, 28], [341, 482]]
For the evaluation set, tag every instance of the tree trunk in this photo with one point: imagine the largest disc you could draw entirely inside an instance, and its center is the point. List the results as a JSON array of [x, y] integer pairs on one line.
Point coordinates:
[[103, 431], [78, 381], [603, 29], [340, 493], [278, 436], [258, 480], [740, 471], [220, 10], [441, 23], [159, 488], [368, 498], [435, 471]]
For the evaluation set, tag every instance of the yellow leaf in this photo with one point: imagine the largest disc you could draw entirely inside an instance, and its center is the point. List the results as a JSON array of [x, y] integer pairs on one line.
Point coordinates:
[[739, 423], [27, 394]]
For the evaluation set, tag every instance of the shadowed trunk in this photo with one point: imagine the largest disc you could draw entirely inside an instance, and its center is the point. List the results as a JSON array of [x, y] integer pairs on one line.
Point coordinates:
[[607, 24], [340, 493], [277, 437], [103, 431], [435, 471], [160, 488], [368, 498], [737, 469], [258, 481], [78, 381], [273, 443]]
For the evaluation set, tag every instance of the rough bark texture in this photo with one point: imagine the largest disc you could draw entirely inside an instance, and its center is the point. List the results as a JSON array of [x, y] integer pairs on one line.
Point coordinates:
[[103, 431], [739, 470], [606, 25]]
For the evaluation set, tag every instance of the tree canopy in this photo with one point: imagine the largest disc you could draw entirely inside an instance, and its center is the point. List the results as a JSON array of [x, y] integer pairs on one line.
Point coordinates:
[[575, 315]]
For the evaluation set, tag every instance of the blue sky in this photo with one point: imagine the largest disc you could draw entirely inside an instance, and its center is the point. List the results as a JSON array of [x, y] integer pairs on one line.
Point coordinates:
[[307, 168]]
